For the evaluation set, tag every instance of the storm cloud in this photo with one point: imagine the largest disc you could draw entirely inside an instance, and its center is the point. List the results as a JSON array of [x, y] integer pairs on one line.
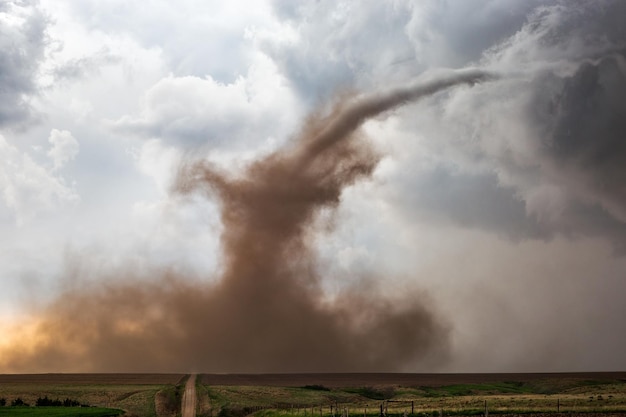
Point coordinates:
[[552, 135], [22, 43]]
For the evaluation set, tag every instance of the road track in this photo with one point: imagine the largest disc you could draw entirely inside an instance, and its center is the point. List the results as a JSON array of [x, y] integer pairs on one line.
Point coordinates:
[[188, 406]]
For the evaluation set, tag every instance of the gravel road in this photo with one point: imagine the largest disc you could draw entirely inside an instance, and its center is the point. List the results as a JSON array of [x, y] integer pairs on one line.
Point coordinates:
[[189, 398]]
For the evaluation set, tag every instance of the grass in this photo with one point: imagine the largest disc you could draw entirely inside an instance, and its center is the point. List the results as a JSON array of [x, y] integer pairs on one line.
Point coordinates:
[[135, 399], [479, 389], [136, 396], [59, 412], [572, 396]]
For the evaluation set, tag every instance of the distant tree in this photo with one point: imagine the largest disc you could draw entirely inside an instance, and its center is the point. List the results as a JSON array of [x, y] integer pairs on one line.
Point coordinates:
[[70, 403], [47, 402], [316, 387], [42, 402], [3, 402], [18, 402]]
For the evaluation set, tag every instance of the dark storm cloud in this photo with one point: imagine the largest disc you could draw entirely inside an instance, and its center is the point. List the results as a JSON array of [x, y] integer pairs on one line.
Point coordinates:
[[582, 121], [579, 118], [552, 135], [470, 201], [22, 42]]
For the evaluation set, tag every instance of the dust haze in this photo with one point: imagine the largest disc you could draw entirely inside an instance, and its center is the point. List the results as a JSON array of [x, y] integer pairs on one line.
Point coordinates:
[[266, 311]]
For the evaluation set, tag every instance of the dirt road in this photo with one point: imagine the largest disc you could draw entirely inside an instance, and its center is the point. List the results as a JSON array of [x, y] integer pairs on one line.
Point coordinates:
[[189, 398]]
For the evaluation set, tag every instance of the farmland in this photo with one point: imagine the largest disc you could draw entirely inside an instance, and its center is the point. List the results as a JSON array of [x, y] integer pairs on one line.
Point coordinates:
[[324, 395], [137, 394], [58, 412], [421, 394]]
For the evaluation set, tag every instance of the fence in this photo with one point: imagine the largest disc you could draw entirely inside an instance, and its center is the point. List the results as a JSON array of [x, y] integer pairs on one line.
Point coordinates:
[[451, 406]]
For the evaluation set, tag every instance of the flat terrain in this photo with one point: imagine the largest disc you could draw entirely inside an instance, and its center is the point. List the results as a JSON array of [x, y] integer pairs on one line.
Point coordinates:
[[344, 380], [57, 412], [134, 393], [329, 395]]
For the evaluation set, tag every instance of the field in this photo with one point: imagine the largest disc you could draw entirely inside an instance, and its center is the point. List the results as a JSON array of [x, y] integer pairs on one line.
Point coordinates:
[[328, 395], [324, 395], [135, 393], [58, 412]]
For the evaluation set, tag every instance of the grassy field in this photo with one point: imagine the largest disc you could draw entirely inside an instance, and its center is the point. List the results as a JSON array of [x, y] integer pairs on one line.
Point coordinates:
[[133, 393], [323, 395], [572, 394], [59, 412]]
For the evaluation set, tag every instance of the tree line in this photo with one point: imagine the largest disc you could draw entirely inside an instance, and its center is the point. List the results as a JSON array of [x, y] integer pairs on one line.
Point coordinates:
[[42, 402]]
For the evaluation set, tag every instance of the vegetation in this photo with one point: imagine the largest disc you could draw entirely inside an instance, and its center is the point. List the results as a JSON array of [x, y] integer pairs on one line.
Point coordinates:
[[59, 412], [134, 399], [382, 393], [168, 400], [47, 402], [316, 387], [507, 397], [569, 396], [18, 402]]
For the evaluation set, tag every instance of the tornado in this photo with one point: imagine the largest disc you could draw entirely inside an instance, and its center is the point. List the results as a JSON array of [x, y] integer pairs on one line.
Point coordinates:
[[265, 310]]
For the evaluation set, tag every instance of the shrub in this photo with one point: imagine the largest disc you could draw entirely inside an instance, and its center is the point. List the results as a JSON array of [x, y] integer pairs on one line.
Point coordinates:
[[316, 387], [18, 402], [385, 393], [236, 411]]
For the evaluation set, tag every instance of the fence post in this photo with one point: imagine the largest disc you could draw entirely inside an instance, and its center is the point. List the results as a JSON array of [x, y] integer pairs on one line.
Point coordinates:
[[412, 407], [486, 409], [558, 405]]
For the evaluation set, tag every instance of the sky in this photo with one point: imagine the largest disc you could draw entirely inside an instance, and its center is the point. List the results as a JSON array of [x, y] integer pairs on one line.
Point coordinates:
[[200, 186]]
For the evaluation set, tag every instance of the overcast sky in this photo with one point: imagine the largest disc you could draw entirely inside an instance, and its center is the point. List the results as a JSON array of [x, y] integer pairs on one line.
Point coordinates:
[[503, 205]]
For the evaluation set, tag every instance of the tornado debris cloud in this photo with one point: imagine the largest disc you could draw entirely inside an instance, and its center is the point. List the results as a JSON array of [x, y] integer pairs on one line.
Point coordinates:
[[266, 311]]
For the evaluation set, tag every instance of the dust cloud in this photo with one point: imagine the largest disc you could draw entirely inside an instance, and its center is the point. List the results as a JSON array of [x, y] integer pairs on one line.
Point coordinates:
[[266, 312]]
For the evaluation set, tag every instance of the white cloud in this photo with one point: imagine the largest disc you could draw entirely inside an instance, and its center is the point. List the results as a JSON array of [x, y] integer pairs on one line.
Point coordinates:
[[197, 38], [27, 187], [194, 112], [64, 148]]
